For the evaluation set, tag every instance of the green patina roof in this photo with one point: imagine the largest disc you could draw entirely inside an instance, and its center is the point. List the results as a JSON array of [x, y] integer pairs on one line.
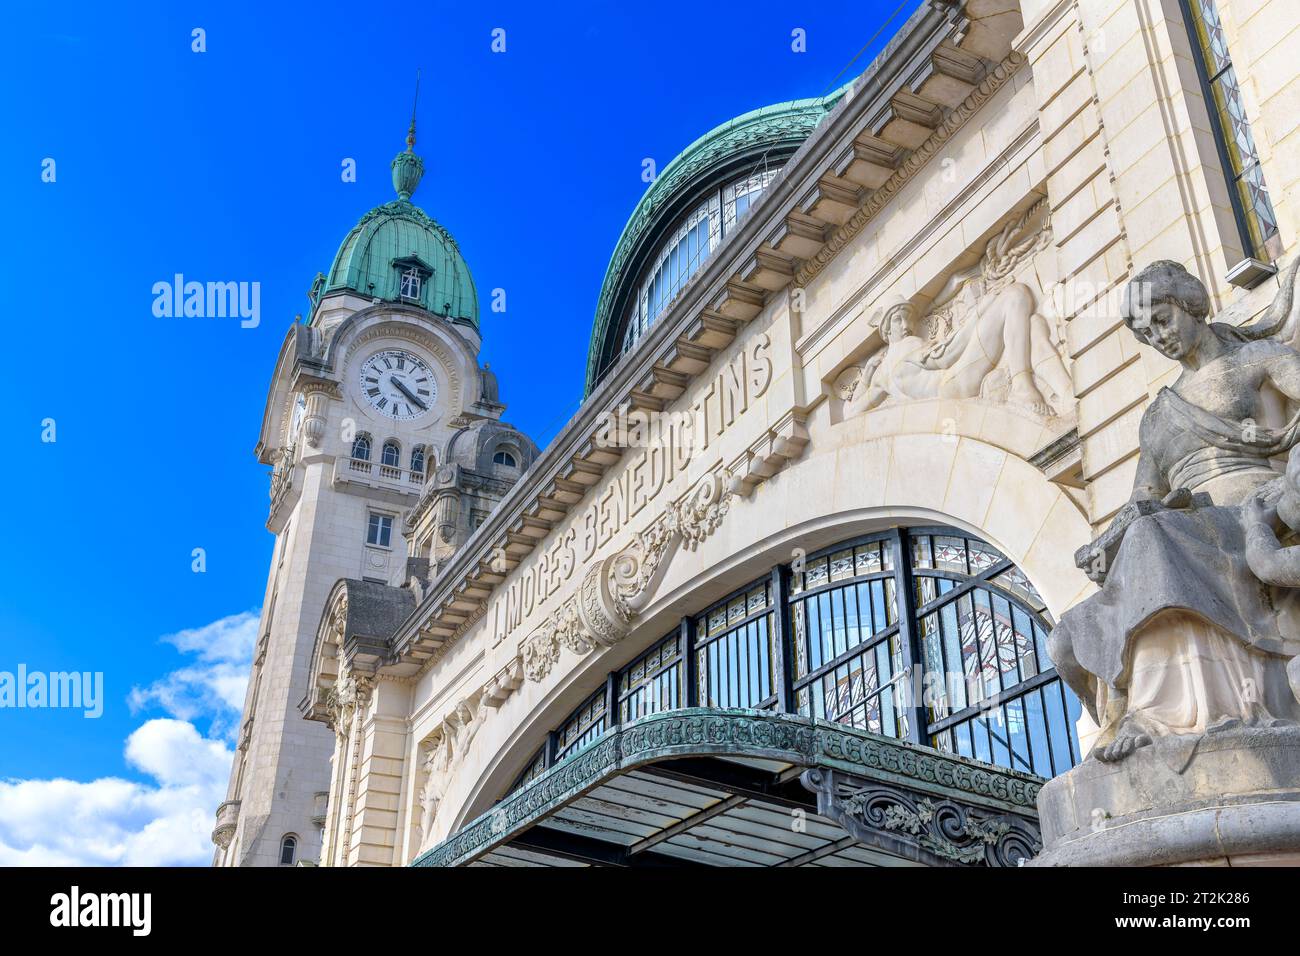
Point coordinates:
[[395, 233], [783, 124]]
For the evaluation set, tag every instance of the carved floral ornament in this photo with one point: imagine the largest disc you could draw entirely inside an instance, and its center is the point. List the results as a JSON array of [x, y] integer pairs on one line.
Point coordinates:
[[617, 589], [345, 699]]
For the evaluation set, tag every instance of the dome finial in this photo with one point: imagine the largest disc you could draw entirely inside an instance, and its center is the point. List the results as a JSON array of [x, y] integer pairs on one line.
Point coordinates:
[[407, 167], [410, 133]]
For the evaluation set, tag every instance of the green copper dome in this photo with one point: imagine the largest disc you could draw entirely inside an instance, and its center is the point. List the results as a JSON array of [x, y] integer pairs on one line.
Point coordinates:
[[771, 133], [397, 240]]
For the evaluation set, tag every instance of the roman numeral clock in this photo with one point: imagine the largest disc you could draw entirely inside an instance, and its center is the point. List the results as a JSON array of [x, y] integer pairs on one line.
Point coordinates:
[[398, 384]]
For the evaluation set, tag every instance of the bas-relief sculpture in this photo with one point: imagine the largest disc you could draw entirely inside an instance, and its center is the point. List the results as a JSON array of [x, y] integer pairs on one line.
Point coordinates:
[[1187, 656], [984, 337], [442, 753]]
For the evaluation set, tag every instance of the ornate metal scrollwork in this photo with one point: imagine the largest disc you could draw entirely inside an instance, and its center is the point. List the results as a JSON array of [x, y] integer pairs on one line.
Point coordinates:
[[942, 831]]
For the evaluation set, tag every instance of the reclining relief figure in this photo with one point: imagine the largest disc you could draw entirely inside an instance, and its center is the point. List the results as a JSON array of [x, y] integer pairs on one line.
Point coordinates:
[[1198, 617], [993, 334]]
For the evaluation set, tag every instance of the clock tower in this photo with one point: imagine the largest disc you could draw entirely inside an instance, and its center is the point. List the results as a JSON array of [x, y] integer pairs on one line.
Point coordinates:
[[387, 450]]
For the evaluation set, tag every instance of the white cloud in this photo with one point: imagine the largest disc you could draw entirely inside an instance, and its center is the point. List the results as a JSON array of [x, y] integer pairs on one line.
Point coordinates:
[[212, 689], [117, 822]]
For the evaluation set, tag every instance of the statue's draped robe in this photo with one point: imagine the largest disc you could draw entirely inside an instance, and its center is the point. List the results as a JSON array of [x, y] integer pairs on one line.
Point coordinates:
[[1182, 628]]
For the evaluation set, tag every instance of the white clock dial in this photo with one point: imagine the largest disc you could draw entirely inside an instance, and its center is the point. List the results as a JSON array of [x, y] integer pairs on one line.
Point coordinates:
[[398, 383]]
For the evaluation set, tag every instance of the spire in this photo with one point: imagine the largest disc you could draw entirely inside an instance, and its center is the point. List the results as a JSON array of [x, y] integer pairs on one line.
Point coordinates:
[[408, 167]]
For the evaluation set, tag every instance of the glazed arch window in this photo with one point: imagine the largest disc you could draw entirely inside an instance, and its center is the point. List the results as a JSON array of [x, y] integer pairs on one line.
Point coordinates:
[[288, 850], [503, 457], [392, 454], [361, 447], [417, 459], [689, 245], [928, 634], [1251, 204], [952, 608]]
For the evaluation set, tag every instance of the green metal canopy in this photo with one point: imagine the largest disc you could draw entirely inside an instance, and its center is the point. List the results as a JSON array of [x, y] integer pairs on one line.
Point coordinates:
[[702, 786]]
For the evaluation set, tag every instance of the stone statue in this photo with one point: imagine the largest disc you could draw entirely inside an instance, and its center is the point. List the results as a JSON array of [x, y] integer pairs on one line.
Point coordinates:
[[1196, 623], [995, 331], [437, 762]]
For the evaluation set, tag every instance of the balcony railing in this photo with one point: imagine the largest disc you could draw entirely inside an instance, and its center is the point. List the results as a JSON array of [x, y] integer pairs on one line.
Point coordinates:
[[378, 474]]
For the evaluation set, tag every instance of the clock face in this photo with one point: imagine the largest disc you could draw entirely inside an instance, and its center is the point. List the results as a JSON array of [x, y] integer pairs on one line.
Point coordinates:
[[398, 383]]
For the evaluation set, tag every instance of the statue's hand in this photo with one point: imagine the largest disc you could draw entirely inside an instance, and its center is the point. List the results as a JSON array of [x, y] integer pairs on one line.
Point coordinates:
[[1256, 515]]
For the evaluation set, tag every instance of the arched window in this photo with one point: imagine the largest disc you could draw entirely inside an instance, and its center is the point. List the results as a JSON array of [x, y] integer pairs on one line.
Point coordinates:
[[288, 850], [361, 447], [687, 247], [972, 621], [925, 634], [505, 458], [417, 459], [392, 454]]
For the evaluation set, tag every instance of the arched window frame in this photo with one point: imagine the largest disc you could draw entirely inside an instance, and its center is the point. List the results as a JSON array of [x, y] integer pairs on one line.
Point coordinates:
[[745, 651], [361, 446], [391, 454], [418, 459], [691, 241], [506, 456], [288, 848]]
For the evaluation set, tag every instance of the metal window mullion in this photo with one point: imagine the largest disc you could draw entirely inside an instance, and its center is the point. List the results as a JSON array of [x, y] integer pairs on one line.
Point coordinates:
[[690, 695], [907, 632], [611, 701], [782, 633]]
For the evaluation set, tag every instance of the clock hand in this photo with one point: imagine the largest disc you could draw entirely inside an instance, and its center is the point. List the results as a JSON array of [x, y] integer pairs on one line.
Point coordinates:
[[407, 392]]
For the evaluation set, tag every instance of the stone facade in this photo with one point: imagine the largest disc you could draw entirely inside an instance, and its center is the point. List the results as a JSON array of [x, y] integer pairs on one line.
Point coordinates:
[[916, 324]]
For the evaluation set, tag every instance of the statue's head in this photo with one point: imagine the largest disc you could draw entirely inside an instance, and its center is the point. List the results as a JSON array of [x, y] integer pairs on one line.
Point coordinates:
[[1165, 306], [896, 322]]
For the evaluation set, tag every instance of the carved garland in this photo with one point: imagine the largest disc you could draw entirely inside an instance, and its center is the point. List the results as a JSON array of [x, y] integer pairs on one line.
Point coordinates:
[[616, 590]]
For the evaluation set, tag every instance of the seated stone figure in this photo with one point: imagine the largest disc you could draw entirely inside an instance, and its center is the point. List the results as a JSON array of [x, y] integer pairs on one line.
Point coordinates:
[[999, 330], [1185, 637]]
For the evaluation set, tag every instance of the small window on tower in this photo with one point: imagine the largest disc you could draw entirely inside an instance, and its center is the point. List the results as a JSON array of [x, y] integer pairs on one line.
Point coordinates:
[[361, 447], [288, 850], [380, 531], [412, 282], [505, 458], [417, 459], [392, 454]]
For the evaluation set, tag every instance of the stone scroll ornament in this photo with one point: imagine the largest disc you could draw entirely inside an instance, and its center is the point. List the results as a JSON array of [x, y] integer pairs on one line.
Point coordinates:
[[984, 337], [617, 589], [1196, 629]]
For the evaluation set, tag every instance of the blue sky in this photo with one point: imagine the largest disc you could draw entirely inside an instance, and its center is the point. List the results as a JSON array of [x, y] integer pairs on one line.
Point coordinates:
[[225, 165]]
